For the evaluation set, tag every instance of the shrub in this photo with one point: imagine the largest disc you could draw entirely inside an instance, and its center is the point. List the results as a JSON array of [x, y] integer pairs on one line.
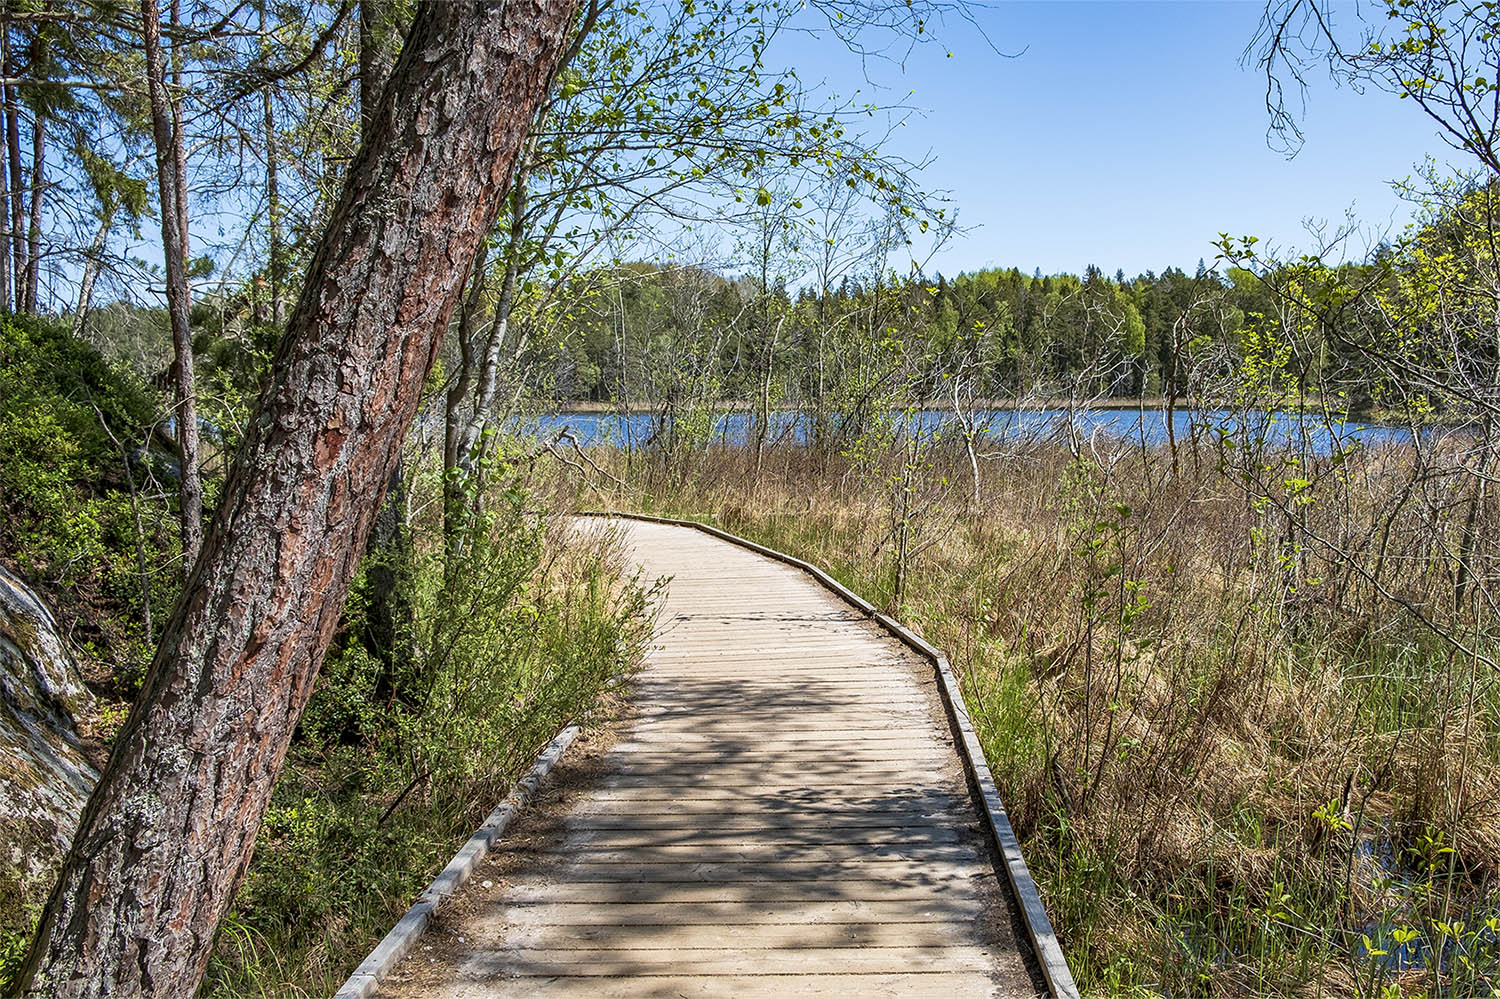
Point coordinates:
[[519, 633], [76, 513]]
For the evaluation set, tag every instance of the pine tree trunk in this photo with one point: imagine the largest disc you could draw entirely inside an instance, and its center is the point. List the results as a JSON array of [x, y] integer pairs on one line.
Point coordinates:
[[34, 226], [167, 834], [17, 180], [179, 153], [5, 277], [170, 183], [273, 193], [273, 212]]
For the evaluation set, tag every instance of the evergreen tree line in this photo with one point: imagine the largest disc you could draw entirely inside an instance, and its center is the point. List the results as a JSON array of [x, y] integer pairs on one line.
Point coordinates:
[[644, 334]]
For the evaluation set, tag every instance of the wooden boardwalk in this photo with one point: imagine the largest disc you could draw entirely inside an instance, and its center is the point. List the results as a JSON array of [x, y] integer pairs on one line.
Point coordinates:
[[785, 814]]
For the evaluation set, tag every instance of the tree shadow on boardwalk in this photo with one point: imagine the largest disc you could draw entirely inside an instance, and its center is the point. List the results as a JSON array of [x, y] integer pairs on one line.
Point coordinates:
[[730, 834]]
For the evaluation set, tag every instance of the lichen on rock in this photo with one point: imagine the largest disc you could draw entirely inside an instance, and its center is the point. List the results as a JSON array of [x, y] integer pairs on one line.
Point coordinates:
[[44, 776]]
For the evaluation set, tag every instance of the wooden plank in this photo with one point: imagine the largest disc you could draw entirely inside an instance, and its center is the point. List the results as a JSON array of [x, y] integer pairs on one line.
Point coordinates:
[[729, 786], [850, 684], [649, 813], [786, 704], [786, 816], [793, 770], [596, 910], [795, 719], [923, 871], [581, 851], [746, 836], [786, 895], [678, 933], [870, 734], [971, 985], [733, 751], [609, 963], [841, 819], [705, 811], [793, 722], [727, 799]]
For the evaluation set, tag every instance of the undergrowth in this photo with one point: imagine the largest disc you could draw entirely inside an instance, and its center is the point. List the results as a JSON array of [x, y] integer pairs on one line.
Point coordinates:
[[523, 631], [500, 636]]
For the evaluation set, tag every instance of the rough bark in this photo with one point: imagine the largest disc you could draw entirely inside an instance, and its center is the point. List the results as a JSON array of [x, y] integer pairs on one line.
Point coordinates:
[[179, 153], [171, 186], [47, 777], [167, 835]]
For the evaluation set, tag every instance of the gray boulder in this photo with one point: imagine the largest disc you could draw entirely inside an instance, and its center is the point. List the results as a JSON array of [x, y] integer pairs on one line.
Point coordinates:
[[44, 777]]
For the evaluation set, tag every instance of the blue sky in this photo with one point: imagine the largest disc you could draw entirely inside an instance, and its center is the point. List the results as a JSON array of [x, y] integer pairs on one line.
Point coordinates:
[[1126, 134]]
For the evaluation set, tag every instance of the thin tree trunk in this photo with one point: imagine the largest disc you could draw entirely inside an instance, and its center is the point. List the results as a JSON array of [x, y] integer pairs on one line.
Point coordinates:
[[376, 54], [625, 375], [17, 180], [167, 834], [453, 410], [488, 382], [273, 206], [1469, 534], [763, 393], [93, 262], [34, 227], [965, 417], [174, 254], [179, 154], [6, 302], [480, 373], [763, 424]]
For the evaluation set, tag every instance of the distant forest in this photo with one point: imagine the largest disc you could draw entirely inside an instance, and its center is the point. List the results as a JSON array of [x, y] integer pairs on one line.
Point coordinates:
[[650, 332]]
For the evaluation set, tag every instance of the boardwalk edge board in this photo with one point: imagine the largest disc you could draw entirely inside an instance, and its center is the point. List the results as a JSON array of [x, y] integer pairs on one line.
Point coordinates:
[[1044, 941], [409, 929]]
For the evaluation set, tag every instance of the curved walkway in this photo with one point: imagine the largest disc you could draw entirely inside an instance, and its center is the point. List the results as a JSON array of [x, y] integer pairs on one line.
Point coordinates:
[[784, 815]]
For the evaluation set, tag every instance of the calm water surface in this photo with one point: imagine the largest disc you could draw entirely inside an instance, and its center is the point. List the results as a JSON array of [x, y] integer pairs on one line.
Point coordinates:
[[641, 429]]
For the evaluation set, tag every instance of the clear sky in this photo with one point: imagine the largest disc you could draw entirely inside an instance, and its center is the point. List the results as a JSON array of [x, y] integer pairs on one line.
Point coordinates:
[[1127, 134]]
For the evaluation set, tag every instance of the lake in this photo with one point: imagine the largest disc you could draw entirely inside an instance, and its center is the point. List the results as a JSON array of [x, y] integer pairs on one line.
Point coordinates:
[[1277, 428]]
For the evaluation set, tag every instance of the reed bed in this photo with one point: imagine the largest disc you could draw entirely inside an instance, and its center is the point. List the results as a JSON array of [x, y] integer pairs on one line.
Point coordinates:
[[1242, 704]]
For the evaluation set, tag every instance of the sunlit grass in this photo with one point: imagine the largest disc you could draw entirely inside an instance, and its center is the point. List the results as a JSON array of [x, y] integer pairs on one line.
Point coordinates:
[[1231, 761]]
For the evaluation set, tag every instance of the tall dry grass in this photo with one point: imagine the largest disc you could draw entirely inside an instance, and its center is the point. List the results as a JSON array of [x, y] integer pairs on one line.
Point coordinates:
[[1241, 706]]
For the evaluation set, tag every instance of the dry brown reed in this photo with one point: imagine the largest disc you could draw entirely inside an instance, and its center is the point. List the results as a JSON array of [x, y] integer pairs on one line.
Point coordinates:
[[1243, 713]]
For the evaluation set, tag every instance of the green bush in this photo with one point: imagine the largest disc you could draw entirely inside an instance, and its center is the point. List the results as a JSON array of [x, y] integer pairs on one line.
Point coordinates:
[[13, 944], [517, 634], [73, 442]]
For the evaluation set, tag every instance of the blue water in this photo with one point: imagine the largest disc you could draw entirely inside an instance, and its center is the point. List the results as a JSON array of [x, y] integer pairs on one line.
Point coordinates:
[[1275, 429]]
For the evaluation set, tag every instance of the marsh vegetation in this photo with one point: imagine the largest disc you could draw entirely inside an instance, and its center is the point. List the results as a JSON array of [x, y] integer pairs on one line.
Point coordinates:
[[1238, 765]]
